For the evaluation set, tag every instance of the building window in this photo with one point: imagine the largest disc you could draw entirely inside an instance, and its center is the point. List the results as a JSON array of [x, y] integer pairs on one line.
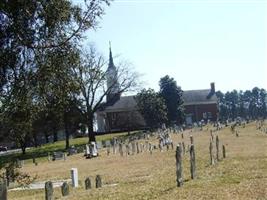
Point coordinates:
[[209, 115]]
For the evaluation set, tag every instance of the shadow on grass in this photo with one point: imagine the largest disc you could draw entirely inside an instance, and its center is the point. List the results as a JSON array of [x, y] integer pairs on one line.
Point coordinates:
[[44, 150]]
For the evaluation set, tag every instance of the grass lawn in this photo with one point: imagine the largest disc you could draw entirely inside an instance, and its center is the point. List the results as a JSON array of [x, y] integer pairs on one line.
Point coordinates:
[[41, 152], [242, 175]]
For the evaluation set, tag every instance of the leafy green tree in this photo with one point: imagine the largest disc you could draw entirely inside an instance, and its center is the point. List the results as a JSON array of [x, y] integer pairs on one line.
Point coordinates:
[[34, 38], [172, 95], [28, 27], [58, 88], [18, 114], [152, 107]]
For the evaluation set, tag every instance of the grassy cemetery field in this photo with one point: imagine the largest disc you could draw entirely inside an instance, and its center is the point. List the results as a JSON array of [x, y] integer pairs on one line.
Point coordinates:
[[152, 175]]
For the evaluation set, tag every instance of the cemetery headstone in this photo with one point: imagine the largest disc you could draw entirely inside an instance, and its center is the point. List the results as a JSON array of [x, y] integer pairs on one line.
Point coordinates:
[[99, 145], [217, 147], [87, 151], [72, 150], [179, 169], [3, 189], [114, 145], [57, 155], [150, 148], [19, 163], [192, 162], [104, 144], [65, 190], [211, 153], [137, 147], [88, 184], [120, 149], [74, 177], [183, 145], [49, 190], [133, 148], [98, 181], [93, 150], [224, 153], [49, 157], [191, 139], [108, 150]]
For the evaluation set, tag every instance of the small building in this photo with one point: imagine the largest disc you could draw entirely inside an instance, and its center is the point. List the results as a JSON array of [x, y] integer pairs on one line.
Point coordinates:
[[200, 105]]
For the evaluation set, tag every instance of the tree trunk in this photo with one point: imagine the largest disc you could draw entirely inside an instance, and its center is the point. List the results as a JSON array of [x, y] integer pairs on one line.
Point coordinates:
[[90, 124], [46, 137], [35, 140], [23, 148], [55, 134], [67, 134]]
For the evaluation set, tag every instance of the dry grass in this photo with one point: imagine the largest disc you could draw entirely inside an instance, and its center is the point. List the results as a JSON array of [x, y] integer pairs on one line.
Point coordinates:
[[242, 175]]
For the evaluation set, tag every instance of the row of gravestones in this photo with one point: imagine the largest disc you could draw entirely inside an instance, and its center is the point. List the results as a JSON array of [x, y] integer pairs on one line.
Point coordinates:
[[65, 191], [179, 158]]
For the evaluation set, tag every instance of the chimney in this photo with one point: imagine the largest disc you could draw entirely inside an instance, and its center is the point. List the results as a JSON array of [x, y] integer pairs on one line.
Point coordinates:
[[212, 88]]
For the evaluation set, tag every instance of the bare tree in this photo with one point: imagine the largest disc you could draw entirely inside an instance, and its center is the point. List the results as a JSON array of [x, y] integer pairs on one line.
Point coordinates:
[[91, 77]]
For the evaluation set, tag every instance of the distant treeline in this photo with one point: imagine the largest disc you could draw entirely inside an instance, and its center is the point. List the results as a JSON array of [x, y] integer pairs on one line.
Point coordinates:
[[249, 104]]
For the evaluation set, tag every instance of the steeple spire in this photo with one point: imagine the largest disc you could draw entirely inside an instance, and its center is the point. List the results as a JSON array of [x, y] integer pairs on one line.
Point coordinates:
[[110, 64]]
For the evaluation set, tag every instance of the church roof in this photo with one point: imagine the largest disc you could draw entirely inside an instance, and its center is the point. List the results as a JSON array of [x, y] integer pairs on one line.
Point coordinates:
[[192, 97], [125, 103]]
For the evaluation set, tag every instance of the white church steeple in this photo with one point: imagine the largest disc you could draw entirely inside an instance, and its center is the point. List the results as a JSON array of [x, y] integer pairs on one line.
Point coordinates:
[[112, 79]]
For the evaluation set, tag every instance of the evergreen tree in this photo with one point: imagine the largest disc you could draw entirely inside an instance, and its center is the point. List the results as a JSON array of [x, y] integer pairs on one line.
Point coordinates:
[[172, 94], [152, 107]]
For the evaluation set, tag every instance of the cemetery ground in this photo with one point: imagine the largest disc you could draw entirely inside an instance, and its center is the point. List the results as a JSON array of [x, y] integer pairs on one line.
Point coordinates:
[[241, 175]]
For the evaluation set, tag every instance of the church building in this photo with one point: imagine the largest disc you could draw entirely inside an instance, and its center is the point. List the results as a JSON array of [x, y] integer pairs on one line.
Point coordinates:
[[120, 113]]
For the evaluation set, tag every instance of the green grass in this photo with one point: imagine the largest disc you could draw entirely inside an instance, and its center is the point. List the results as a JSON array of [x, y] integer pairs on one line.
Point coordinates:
[[40, 153]]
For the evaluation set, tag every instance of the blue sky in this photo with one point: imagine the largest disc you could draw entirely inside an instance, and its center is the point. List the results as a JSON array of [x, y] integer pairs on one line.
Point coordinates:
[[195, 42]]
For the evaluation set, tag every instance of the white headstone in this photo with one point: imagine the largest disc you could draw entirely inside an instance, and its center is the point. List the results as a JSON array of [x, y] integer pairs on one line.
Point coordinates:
[[74, 177], [93, 149], [87, 150]]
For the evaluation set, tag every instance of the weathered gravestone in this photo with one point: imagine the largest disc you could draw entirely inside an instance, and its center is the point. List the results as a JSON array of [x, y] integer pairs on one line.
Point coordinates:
[[91, 150], [179, 169], [211, 152], [150, 148], [104, 144], [137, 147], [49, 190], [191, 139], [127, 149], [87, 183], [72, 150], [133, 148], [65, 190], [217, 147], [58, 155], [108, 150], [224, 152], [99, 145], [3, 189], [114, 145], [98, 181], [120, 149], [19, 163], [192, 162], [74, 177], [87, 151]]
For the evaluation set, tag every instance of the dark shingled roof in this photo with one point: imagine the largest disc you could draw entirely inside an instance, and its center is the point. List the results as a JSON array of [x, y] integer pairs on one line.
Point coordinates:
[[125, 103], [191, 97], [198, 97]]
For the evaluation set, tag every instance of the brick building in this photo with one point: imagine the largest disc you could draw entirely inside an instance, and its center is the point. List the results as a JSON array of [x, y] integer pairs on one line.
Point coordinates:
[[122, 113]]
